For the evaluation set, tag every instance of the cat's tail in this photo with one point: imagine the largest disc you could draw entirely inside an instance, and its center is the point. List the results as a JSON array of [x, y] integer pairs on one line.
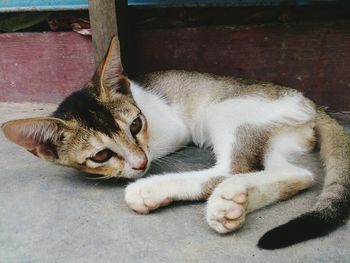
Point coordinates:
[[333, 205]]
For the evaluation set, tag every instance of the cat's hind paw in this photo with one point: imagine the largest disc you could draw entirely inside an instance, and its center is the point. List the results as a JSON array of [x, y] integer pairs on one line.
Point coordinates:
[[226, 209], [142, 197]]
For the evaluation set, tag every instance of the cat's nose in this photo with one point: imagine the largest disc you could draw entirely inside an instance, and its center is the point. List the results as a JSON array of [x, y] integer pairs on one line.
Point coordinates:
[[141, 165]]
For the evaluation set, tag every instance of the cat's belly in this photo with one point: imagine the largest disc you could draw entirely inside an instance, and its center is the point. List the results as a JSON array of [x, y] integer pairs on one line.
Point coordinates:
[[217, 121]]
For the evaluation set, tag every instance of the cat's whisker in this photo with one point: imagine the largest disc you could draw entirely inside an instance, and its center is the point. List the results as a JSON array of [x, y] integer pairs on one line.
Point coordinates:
[[165, 151], [179, 147], [164, 163], [181, 154], [97, 177], [105, 178], [169, 158]]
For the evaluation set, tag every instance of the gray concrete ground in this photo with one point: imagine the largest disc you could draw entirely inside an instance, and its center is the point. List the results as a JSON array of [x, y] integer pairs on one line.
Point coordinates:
[[50, 213]]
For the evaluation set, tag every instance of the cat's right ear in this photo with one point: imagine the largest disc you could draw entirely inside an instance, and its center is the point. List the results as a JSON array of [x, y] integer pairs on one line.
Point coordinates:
[[111, 76], [40, 136]]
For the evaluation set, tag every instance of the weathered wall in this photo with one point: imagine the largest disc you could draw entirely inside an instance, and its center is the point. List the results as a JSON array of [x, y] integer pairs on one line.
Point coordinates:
[[43, 66], [312, 57]]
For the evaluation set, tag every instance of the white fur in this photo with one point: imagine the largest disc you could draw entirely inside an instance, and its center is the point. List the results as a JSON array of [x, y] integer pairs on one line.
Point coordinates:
[[168, 131], [147, 194], [213, 124]]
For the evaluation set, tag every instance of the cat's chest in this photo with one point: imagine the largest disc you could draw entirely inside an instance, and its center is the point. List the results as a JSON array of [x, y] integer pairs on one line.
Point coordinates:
[[192, 113]]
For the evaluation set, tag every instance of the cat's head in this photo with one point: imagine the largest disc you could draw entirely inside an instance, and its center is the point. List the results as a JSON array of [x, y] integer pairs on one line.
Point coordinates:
[[98, 129]]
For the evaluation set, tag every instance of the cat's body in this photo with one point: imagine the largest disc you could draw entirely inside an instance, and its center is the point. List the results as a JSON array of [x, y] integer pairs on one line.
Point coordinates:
[[116, 127], [254, 128]]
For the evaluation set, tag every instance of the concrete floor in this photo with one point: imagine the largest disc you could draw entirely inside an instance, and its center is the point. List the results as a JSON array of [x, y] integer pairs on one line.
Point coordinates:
[[50, 213]]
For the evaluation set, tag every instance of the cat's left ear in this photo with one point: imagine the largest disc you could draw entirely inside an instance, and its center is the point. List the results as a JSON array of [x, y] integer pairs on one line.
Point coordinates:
[[111, 74], [40, 136]]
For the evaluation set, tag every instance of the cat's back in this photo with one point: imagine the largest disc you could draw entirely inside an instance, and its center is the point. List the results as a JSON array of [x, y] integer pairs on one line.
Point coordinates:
[[200, 98], [176, 85]]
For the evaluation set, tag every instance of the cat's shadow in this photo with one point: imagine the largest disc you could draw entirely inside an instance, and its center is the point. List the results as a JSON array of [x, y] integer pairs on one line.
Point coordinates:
[[90, 180]]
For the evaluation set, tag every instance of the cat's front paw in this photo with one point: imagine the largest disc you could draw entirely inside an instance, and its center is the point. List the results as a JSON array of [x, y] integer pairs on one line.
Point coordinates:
[[226, 208], [144, 196]]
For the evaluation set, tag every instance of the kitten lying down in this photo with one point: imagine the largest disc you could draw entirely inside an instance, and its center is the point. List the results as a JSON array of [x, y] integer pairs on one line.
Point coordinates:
[[115, 127]]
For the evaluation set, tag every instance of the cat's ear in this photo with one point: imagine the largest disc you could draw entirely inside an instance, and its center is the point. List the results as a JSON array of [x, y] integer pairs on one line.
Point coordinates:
[[111, 74], [40, 136]]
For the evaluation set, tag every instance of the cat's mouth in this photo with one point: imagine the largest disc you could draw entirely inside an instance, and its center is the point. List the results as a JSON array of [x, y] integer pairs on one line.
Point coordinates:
[[135, 174]]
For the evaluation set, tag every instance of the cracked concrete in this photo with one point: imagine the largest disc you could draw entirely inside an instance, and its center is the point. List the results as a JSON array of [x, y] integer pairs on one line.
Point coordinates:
[[50, 213]]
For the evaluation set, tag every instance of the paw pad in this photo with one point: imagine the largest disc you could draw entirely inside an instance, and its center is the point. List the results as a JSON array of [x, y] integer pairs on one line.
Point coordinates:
[[226, 211]]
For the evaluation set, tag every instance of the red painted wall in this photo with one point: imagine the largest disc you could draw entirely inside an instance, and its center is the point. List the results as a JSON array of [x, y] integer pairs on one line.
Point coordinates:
[[312, 57], [43, 66]]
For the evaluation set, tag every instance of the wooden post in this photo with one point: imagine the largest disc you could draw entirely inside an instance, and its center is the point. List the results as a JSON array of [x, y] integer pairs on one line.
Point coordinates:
[[104, 25]]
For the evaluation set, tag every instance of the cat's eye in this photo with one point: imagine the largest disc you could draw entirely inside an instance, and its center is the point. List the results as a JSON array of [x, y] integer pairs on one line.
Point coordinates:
[[102, 156], [136, 126]]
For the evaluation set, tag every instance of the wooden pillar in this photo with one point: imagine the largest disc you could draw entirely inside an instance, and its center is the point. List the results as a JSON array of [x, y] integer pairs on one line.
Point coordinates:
[[108, 18]]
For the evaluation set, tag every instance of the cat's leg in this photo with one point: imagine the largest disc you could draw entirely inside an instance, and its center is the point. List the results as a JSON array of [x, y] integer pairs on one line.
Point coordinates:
[[241, 194], [160, 190], [150, 193]]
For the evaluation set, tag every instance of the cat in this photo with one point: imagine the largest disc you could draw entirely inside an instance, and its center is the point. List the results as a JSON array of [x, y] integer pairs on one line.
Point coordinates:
[[115, 127]]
